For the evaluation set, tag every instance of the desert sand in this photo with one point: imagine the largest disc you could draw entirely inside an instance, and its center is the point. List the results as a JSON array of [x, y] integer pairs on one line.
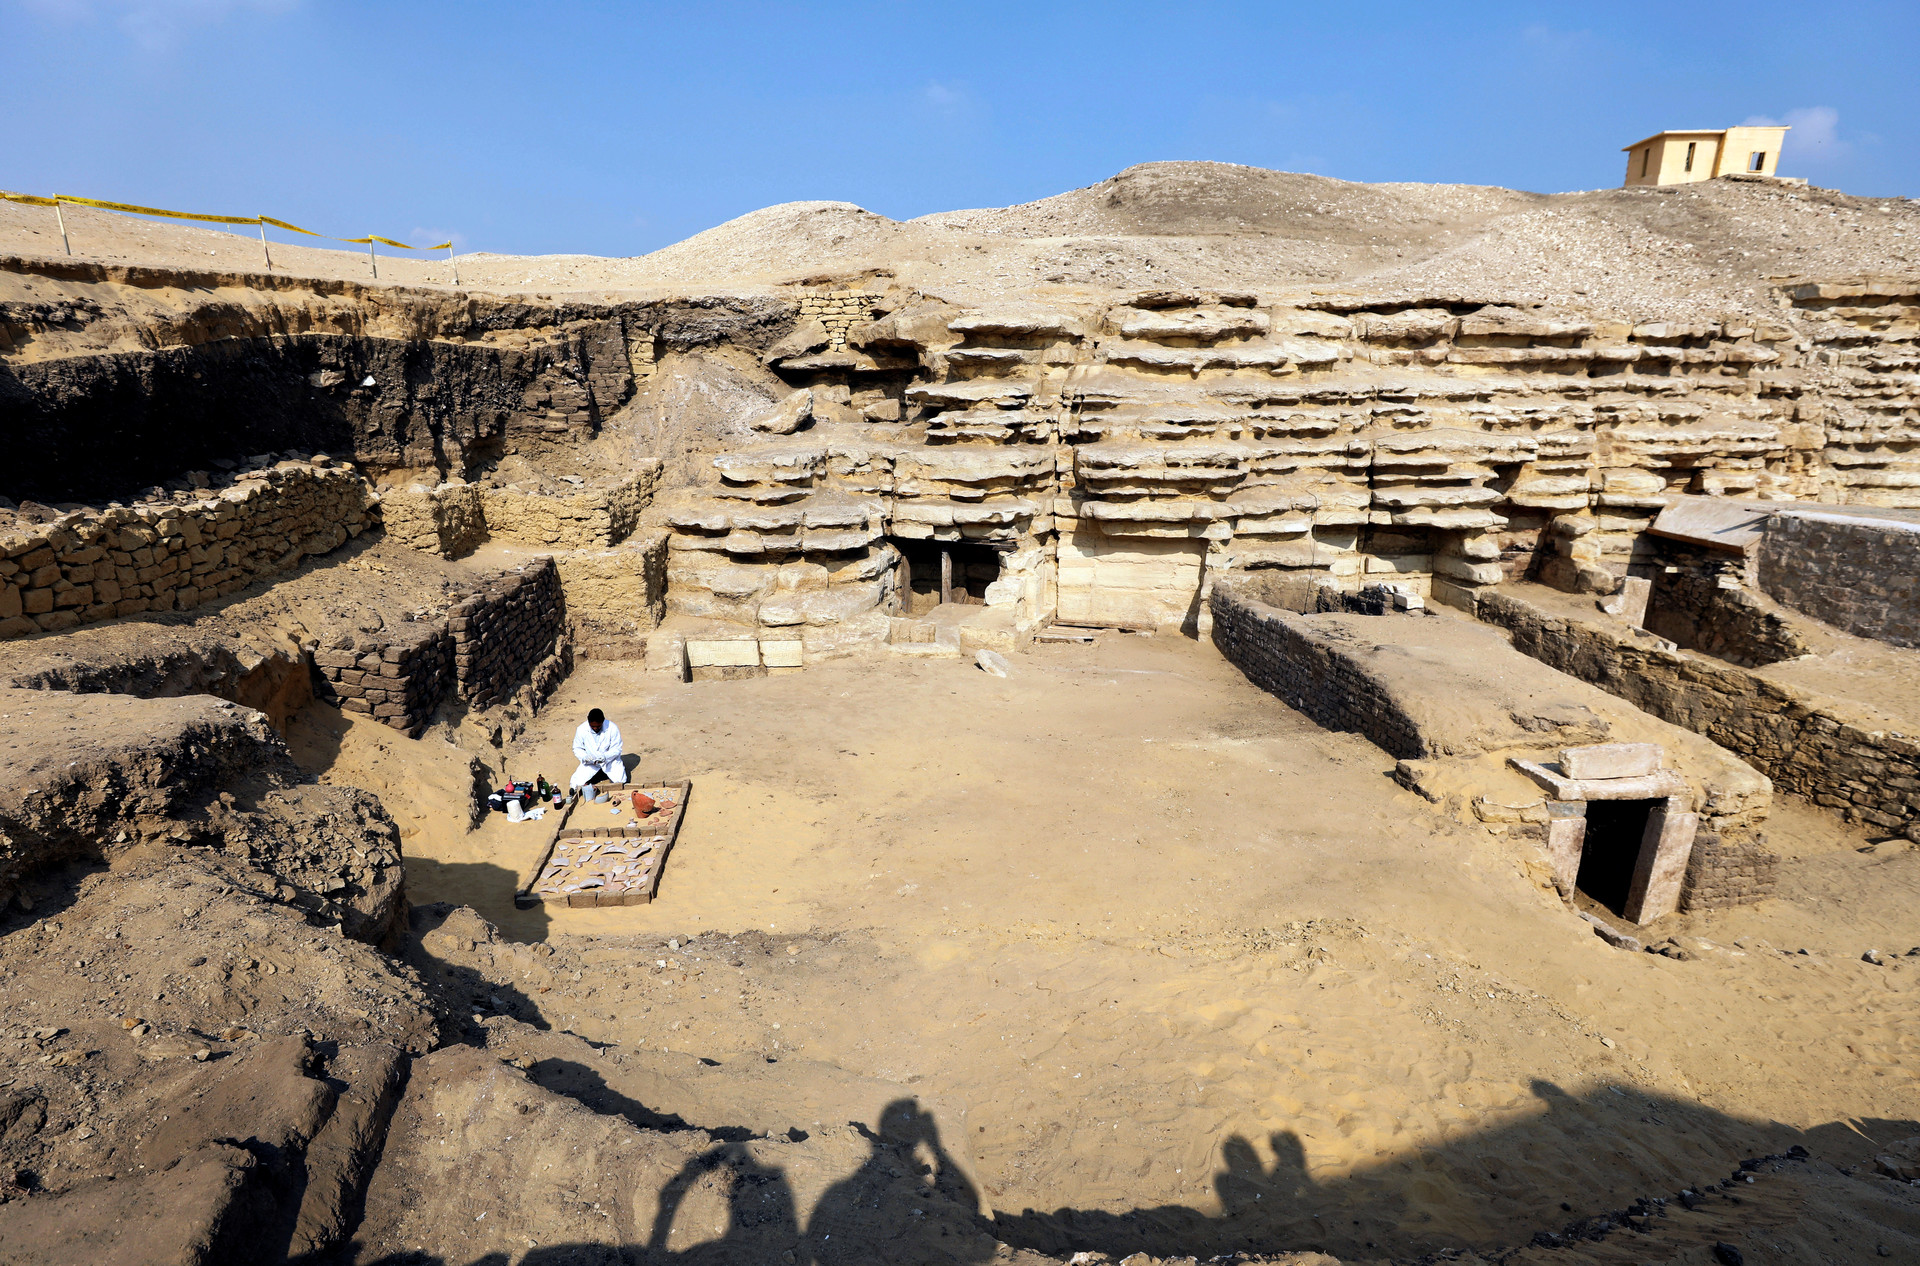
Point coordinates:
[[1199, 976]]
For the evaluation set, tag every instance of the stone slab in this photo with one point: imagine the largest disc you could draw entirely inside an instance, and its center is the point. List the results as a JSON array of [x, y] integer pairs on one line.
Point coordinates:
[[744, 653], [1662, 866], [781, 654], [1630, 603], [1663, 785], [1715, 522], [1611, 760], [1566, 837]]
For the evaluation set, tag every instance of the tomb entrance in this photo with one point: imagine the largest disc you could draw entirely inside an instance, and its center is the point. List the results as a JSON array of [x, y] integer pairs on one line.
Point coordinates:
[[1620, 826], [1610, 853], [933, 573]]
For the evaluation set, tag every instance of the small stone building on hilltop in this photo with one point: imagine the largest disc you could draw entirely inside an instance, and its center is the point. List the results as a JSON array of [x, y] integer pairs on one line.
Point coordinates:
[[1679, 158]]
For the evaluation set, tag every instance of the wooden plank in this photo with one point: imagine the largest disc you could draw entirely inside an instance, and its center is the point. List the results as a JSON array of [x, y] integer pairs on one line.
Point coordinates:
[[1121, 625]]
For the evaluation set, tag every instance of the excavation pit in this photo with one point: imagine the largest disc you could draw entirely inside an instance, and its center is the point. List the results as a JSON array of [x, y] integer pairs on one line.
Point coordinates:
[[1120, 940]]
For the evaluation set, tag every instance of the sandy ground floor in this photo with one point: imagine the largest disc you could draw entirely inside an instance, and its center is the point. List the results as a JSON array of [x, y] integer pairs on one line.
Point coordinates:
[[1163, 950]]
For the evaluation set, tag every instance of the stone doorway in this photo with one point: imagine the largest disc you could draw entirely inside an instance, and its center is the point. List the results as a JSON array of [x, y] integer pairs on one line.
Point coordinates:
[[1610, 854], [937, 572], [1620, 826]]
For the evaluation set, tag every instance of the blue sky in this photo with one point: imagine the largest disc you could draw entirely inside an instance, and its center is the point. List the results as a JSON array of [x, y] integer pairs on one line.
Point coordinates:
[[618, 128]]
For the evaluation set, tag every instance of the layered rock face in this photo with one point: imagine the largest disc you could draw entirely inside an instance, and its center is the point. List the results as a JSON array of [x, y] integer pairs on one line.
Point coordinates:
[[1116, 457], [98, 362]]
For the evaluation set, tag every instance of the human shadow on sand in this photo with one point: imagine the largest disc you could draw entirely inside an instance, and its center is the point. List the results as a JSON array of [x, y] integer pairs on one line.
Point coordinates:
[[1610, 1164]]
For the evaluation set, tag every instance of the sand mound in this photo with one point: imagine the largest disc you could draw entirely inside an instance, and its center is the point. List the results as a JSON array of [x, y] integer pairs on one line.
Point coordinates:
[[1710, 247]]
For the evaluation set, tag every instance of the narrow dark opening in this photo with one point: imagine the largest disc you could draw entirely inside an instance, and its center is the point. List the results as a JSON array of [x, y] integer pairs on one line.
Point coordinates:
[[1758, 161], [961, 570], [1615, 829], [1691, 146]]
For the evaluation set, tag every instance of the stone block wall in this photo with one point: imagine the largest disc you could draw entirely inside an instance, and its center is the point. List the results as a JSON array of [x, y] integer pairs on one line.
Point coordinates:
[[1721, 875], [1701, 601], [172, 556], [838, 312], [593, 518], [1264, 643], [453, 519], [1861, 575], [513, 631], [1808, 744], [397, 676]]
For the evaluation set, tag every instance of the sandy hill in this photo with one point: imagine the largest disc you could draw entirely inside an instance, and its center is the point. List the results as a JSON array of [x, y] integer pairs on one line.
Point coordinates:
[[1711, 246]]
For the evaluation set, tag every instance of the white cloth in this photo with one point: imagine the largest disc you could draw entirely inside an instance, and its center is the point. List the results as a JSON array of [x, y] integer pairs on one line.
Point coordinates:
[[598, 754]]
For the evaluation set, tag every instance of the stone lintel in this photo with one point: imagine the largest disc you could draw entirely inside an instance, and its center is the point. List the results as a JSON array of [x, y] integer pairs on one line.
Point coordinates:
[[1611, 760], [1662, 785]]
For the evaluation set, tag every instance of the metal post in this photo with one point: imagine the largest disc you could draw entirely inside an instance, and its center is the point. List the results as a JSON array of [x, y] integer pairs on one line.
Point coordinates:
[[263, 246], [63, 226], [370, 260], [456, 264]]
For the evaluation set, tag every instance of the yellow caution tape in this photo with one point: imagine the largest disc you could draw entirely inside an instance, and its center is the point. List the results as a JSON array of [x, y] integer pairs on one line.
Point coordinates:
[[292, 228], [375, 237], [129, 208]]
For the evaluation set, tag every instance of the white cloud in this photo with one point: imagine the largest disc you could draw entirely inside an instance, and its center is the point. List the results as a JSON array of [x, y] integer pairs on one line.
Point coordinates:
[[155, 25], [432, 237], [950, 100], [1815, 137], [1552, 41]]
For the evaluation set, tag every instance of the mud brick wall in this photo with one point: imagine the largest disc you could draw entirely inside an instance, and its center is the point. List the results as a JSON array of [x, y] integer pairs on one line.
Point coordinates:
[[1278, 655], [1859, 575], [447, 520], [1705, 605], [1720, 875], [616, 597], [1808, 744], [398, 675], [513, 631], [172, 556]]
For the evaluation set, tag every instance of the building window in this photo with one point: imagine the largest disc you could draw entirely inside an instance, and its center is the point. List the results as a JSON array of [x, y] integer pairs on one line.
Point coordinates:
[[1757, 161], [1646, 156], [1691, 145]]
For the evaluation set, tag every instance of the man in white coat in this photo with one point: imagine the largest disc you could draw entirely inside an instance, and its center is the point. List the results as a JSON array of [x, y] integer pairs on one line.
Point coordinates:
[[596, 745]]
